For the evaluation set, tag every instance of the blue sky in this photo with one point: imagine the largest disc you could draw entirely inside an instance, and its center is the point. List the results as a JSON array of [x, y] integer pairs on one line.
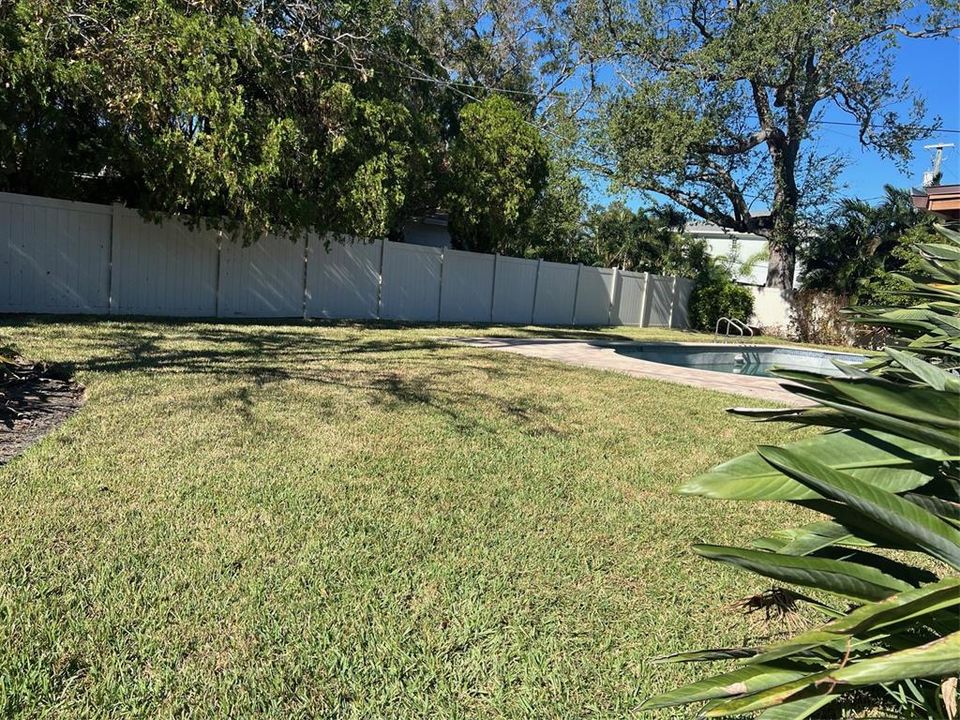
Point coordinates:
[[933, 68]]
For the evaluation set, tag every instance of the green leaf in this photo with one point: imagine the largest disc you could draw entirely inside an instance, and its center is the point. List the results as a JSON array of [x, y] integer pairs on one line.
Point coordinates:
[[921, 404], [888, 461], [807, 539], [910, 574], [934, 659], [910, 521], [836, 576], [709, 655], [899, 608], [797, 709], [774, 696], [935, 377], [738, 682], [920, 604], [939, 658], [856, 416]]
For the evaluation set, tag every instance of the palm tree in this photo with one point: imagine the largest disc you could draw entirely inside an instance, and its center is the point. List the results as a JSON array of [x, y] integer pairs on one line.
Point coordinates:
[[862, 244]]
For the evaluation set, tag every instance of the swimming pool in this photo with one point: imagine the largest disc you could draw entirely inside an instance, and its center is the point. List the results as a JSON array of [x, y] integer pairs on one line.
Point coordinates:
[[755, 360]]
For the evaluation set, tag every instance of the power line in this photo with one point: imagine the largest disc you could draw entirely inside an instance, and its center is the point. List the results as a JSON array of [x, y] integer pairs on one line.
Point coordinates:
[[857, 125], [422, 76]]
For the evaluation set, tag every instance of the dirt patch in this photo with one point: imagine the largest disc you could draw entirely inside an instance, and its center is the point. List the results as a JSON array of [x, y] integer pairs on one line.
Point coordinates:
[[32, 404]]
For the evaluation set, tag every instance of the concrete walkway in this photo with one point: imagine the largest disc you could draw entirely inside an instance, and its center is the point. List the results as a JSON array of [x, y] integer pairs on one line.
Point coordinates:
[[604, 356]]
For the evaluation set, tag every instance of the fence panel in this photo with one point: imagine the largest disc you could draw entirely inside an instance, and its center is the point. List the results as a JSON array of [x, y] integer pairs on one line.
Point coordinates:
[[54, 255], [556, 292], [264, 279], [681, 303], [411, 282], [68, 257], [466, 287], [163, 269], [594, 293], [659, 300], [344, 282], [513, 291], [629, 301]]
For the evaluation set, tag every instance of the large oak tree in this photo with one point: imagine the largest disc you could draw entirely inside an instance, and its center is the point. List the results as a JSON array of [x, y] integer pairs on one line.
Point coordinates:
[[714, 103]]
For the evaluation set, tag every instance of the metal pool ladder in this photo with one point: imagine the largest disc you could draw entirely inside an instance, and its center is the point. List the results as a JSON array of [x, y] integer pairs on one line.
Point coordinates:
[[731, 324]]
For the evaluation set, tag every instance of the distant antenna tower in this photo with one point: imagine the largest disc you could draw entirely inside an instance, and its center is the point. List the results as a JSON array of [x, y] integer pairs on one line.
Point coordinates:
[[931, 178]]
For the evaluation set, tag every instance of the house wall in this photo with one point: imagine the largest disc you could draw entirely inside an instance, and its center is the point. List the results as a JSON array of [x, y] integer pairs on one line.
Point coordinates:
[[736, 249], [771, 311]]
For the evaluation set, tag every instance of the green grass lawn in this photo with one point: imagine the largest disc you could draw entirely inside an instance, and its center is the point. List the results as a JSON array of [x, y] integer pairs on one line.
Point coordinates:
[[358, 521]]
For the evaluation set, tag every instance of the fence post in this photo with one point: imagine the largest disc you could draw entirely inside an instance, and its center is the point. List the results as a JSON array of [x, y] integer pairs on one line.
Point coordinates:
[[114, 235], [673, 300], [306, 259], [493, 285], [536, 283], [383, 249], [614, 296], [643, 300], [576, 295], [440, 293]]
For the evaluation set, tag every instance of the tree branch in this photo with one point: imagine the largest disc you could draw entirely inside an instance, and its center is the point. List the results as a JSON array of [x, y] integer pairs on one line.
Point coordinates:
[[740, 146]]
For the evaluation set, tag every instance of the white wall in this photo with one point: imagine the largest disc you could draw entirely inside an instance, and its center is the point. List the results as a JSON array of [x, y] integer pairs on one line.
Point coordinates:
[[594, 296], [683, 288], [659, 302], [264, 279], [771, 311], [556, 294], [410, 282], [628, 302], [736, 249], [514, 290], [467, 286]]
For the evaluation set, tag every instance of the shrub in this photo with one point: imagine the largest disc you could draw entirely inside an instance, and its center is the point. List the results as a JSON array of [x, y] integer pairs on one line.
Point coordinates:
[[715, 295], [885, 475], [816, 318]]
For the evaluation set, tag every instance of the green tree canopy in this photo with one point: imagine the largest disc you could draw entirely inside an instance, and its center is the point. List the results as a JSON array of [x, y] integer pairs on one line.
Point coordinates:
[[857, 251], [499, 166], [266, 116], [648, 240]]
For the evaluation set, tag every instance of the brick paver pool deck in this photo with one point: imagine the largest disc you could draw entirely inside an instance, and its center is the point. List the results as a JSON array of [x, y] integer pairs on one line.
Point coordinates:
[[604, 356]]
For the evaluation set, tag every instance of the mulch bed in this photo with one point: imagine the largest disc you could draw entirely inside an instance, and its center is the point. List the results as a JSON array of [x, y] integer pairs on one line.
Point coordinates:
[[34, 401]]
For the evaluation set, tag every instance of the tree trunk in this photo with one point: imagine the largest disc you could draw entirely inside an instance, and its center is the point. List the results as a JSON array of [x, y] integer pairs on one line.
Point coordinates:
[[781, 266], [783, 234]]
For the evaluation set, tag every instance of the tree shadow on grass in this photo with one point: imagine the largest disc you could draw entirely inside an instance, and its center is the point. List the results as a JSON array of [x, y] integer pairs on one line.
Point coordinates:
[[391, 373]]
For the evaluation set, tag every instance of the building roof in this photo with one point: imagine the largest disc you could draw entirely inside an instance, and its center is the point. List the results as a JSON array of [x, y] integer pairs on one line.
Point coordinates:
[[709, 230], [942, 200]]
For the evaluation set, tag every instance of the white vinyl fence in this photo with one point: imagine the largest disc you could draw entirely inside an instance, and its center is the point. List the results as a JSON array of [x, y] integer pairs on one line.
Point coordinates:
[[69, 257]]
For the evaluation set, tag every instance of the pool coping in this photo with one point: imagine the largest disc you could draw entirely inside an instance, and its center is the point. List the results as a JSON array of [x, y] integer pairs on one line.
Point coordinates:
[[602, 355]]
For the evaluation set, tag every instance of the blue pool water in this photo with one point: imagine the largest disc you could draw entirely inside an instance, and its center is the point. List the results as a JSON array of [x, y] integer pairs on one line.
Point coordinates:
[[739, 359]]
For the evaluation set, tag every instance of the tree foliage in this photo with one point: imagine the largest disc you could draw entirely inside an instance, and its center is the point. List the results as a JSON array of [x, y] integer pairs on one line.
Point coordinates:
[[715, 295], [856, 253], [267, 116], [285, 116], [646, 240], [888, 549], [716, 102], [498, 171]]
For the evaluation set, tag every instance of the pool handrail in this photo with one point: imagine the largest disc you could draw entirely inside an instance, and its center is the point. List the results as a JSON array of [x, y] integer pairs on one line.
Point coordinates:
[[738, 325]]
